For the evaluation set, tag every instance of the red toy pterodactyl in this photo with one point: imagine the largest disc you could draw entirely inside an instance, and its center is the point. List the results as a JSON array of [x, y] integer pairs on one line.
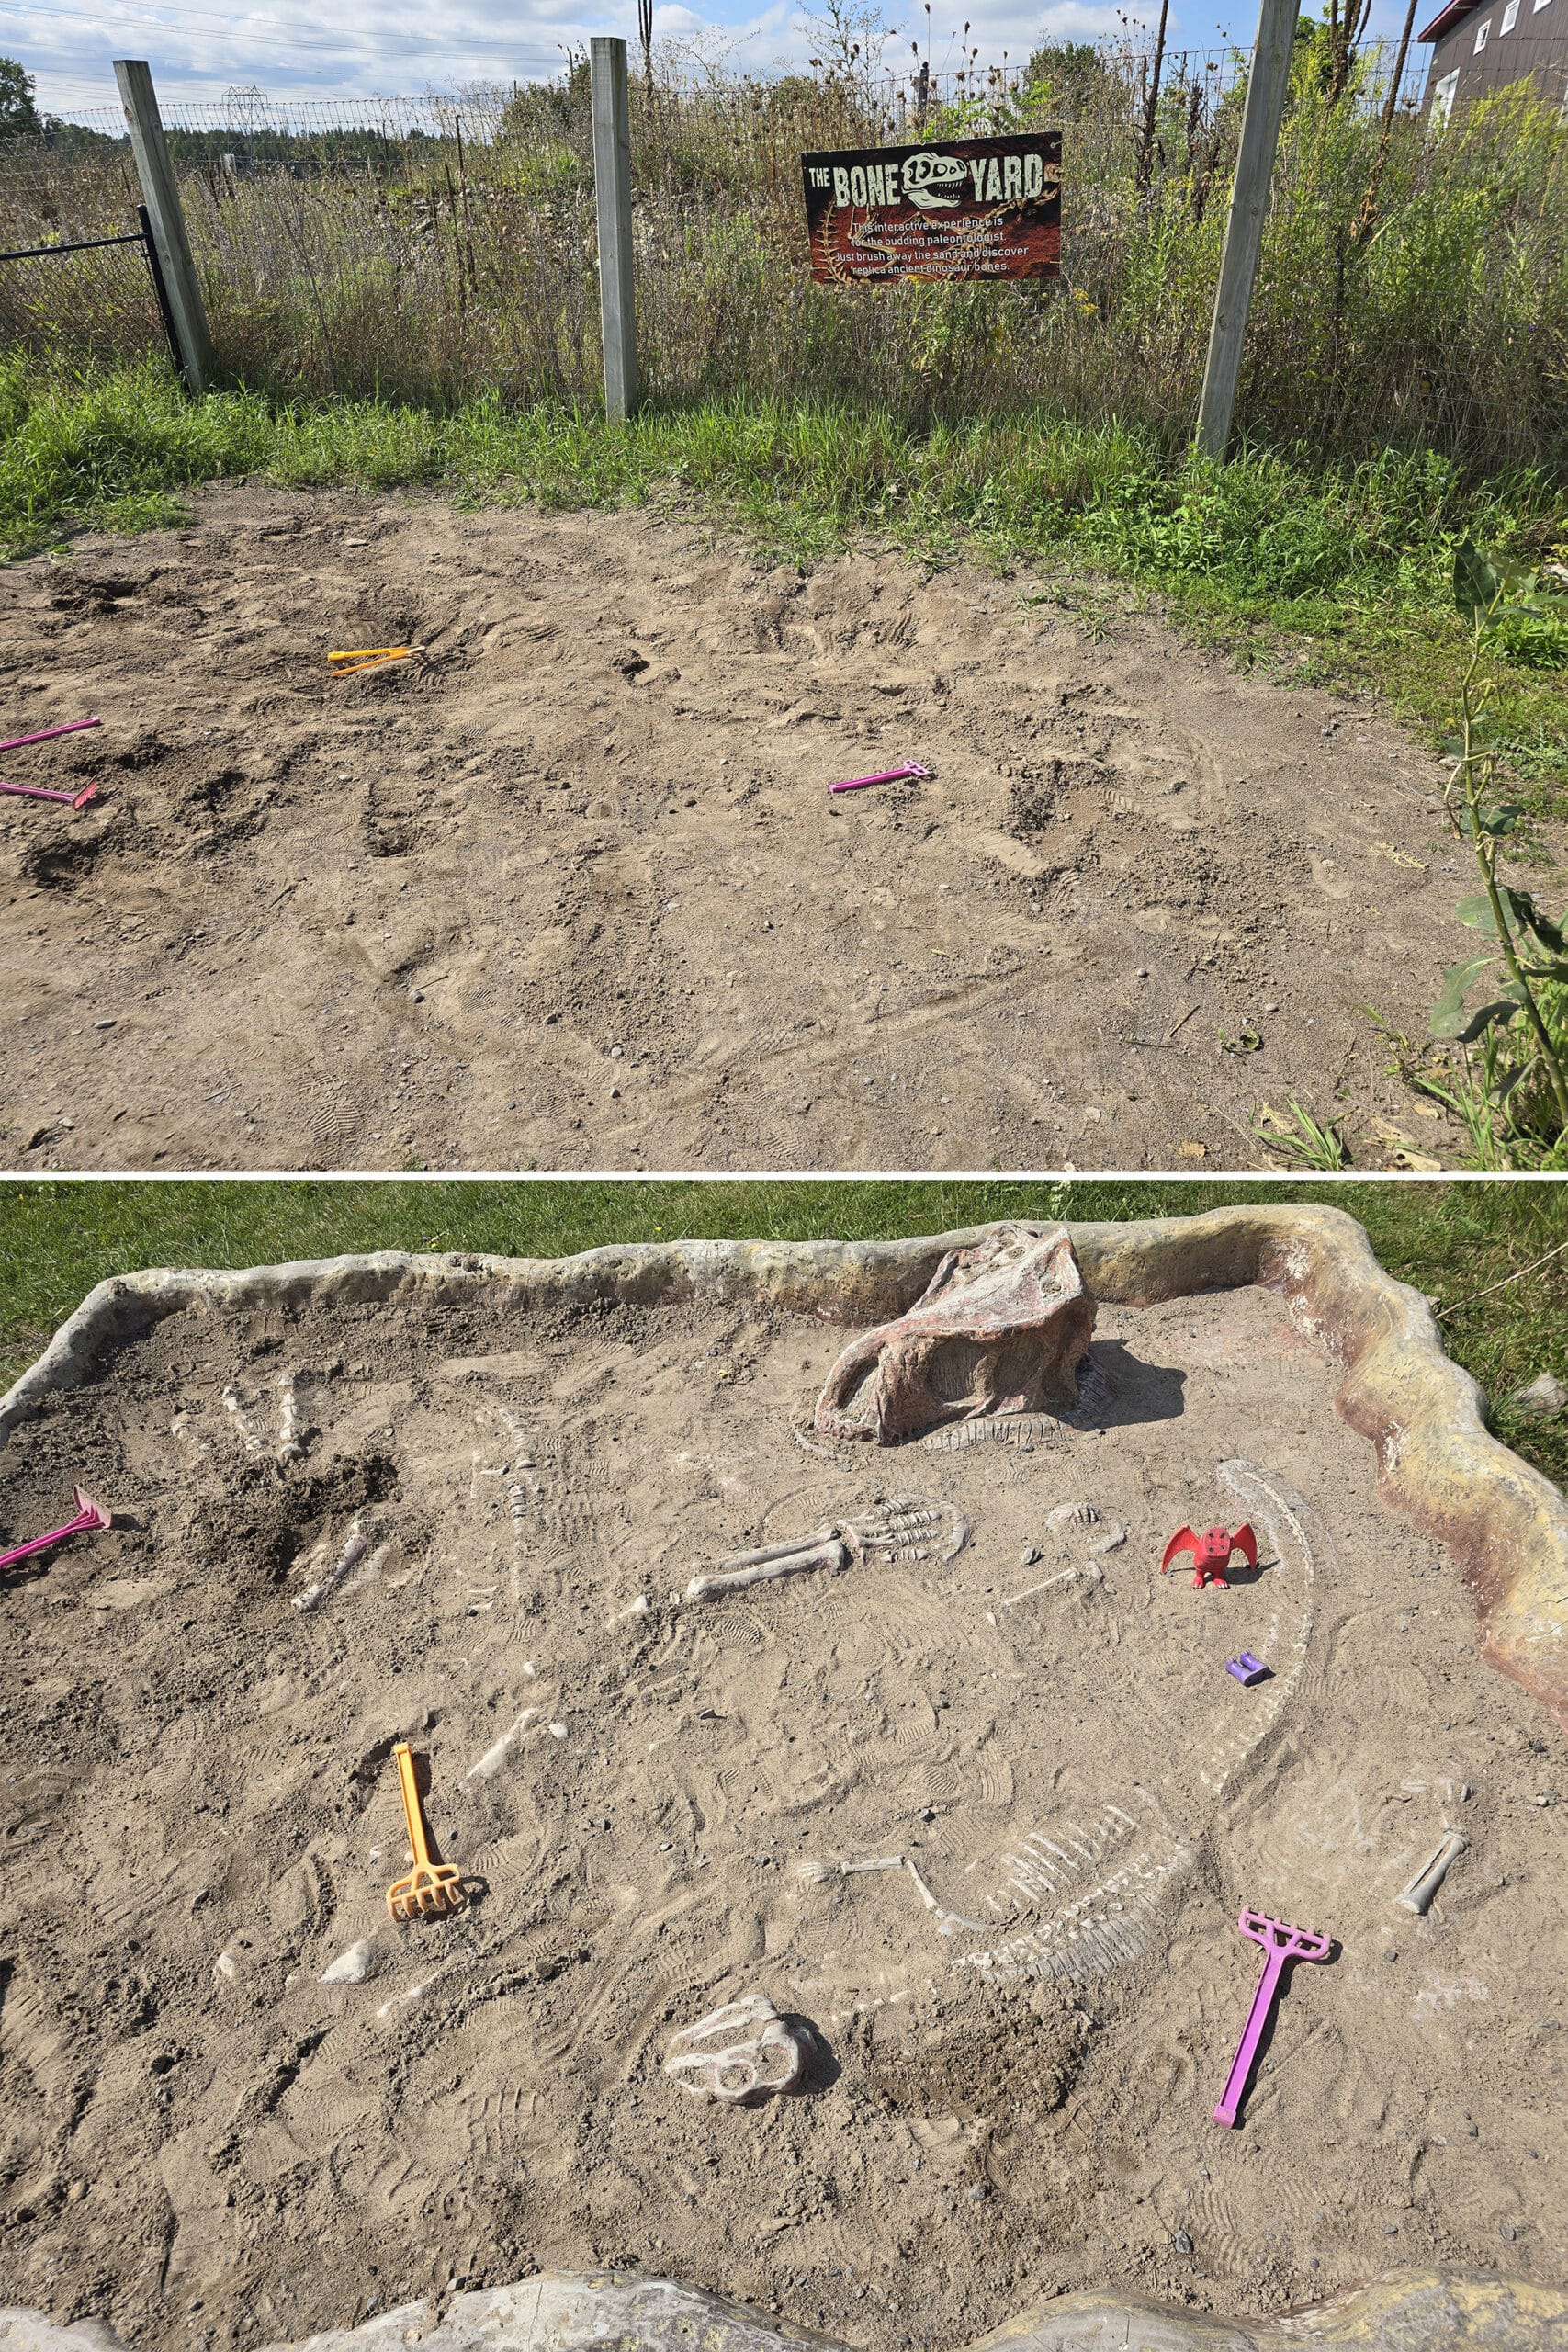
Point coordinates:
[[1212, 1551]]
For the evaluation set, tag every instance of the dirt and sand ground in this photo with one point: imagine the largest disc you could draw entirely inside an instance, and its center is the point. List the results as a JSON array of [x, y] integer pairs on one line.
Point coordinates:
[[571, 892], [203, 2143]]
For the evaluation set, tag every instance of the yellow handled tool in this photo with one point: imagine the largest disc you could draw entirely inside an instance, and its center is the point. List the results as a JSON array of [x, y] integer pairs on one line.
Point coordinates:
[[366, 652], [431, 1888]]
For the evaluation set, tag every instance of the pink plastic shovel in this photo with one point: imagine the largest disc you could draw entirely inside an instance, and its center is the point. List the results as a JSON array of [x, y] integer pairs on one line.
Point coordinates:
[[888, 776], [42, 792], [1281, 1941], [48, 734], [90, 1520]]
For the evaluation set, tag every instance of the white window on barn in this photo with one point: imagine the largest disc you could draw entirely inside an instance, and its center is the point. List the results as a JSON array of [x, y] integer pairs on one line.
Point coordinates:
[[1542, 3], [1443, 101], [1511, 18], [1480, 38]]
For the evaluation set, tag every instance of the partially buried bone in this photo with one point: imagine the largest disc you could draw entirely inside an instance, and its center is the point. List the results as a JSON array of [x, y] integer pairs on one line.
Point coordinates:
[[1424, 1886], [234, 1404], [491, 1762], [354, 1550], [1002, 1328], [906, 1530], [743, 2052], [288, 1447], [779, 1560], [1091, 1569], [816, 1874], [1080, 1514], [351, 1967]]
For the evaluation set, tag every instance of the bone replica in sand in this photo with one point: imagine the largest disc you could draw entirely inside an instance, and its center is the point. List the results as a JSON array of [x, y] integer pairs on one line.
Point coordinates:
[[906, 1530], [743, 2052], [1002, 1328]]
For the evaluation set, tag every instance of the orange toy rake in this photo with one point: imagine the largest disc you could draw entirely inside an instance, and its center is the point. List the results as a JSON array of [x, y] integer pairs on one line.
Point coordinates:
[[432, 1889]]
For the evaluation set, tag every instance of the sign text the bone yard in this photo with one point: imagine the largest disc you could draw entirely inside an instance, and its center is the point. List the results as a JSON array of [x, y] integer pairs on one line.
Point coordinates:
[[953, 207]]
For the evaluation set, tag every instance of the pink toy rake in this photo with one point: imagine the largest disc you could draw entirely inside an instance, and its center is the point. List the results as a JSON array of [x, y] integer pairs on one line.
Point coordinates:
[[43, 792], [48, 734], [1282, 1941], [91, 1519], [887, 775]]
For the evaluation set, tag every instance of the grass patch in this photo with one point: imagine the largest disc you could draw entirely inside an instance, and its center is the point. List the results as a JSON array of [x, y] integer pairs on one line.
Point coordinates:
[[1343, 569], [1450, 1240]]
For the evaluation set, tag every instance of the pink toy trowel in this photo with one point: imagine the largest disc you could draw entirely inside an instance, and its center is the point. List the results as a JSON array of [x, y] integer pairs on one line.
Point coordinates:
[[91, 1519], [1281, 1941]]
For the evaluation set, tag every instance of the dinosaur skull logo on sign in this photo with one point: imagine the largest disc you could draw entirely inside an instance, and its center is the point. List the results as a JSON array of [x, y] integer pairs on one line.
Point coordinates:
[[934, 182]]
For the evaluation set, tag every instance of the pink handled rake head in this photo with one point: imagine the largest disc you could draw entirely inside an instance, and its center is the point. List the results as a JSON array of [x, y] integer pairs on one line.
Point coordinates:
[[1282, 1941], [91, 1519], [1285, 1936], [46, 792]]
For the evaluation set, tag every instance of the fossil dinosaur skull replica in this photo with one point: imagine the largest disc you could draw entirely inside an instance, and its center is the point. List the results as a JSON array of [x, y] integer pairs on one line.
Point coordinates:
[[1001, 1329]]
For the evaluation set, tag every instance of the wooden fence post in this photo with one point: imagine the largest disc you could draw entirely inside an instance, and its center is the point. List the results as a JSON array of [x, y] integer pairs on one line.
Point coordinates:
[[168, 224], [613, 188], [1267, 80]]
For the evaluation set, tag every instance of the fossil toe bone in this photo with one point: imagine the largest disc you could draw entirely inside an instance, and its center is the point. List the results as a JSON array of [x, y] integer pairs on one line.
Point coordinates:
[[1002, 1328], [1079, 1514]]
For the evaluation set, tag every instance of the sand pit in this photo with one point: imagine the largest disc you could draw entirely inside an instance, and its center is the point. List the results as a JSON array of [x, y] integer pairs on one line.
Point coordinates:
[[571, 891], [1023, 2022]]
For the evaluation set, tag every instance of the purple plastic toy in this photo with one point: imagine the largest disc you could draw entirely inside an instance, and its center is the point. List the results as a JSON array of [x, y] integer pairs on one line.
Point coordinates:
[[1247, 1669], [1281, 1941]]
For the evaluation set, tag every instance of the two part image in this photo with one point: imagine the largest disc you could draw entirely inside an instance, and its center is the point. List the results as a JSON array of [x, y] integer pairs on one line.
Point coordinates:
[[783, 1260]]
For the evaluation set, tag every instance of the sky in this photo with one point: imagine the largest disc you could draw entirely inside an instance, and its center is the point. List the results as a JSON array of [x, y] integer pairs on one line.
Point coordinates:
[[198, 49]]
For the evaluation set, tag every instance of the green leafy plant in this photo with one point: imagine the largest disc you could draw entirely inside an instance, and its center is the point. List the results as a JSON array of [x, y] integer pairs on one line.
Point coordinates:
[[1295, 1135], [1521, 1023]]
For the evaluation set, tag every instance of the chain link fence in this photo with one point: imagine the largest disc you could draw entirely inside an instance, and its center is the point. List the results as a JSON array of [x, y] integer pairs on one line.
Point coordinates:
[[75, 272]]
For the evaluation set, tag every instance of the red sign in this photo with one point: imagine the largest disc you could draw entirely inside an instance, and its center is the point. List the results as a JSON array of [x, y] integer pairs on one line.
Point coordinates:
[[955, 207]]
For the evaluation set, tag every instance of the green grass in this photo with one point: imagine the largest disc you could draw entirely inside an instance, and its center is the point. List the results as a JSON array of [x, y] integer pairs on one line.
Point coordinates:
[[1451, 1240], [1338, 573]]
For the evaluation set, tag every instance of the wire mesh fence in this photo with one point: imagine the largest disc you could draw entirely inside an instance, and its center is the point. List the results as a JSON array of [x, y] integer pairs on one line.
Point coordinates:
[[1414, 288], [93, 301], [73, 273]]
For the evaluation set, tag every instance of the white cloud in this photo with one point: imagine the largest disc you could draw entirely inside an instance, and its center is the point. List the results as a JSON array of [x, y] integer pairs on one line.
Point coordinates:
[[198, 48]]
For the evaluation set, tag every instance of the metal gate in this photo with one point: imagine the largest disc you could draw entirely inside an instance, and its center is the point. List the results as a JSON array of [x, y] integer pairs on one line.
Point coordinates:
[[90, 298]]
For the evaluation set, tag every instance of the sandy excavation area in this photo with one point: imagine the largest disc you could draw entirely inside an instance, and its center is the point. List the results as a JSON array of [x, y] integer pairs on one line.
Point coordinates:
[[1021, 2026], [570, 890]]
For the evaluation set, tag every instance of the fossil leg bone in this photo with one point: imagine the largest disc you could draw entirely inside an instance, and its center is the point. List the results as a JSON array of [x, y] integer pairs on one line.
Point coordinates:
[[1424, 1886], [785, 1551], [785, 1562]]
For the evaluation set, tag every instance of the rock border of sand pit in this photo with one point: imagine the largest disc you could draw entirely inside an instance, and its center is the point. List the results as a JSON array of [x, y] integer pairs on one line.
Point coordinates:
[[1438, 1462], [1408, 2311]]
